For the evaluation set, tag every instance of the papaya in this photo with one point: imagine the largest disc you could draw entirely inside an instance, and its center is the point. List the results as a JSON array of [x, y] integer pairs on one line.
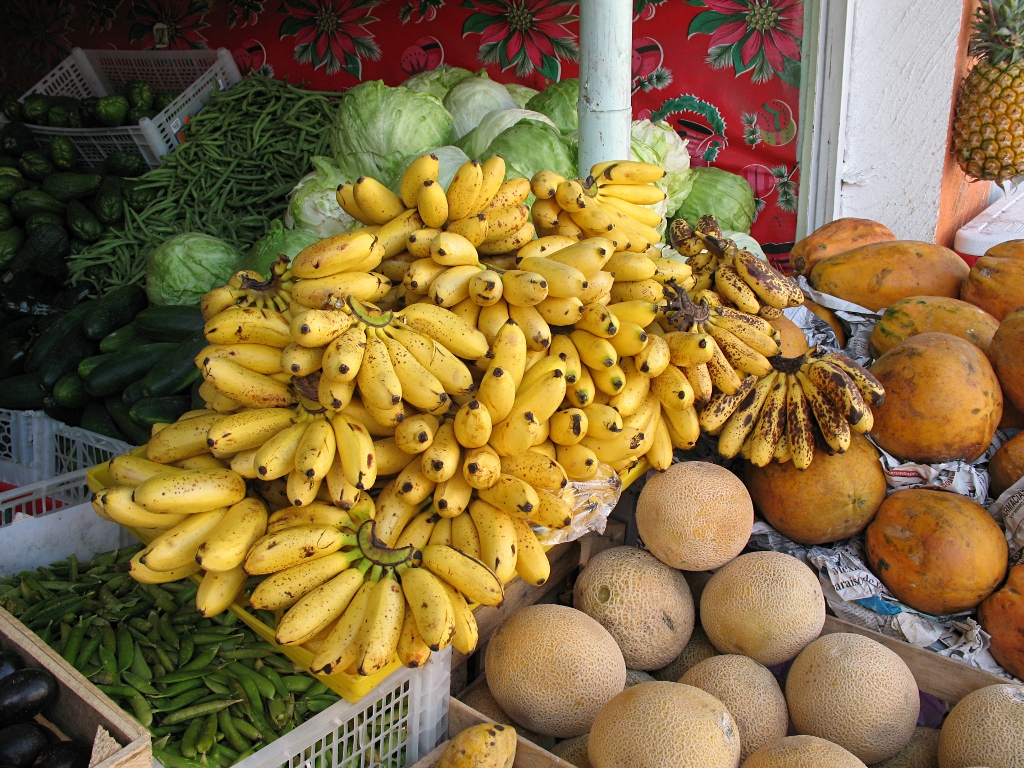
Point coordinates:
[[924, 314], [793, 340], [1006, 466], [1007, 353], [838, 236], [877, 275], [937, 551], [1012, 418], [833, 499], [829, 317], [1002, 616], [942, 400], [996, 281]]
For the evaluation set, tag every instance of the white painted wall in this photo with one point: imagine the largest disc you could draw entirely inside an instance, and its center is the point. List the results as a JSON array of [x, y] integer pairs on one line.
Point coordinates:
[[899, 93]]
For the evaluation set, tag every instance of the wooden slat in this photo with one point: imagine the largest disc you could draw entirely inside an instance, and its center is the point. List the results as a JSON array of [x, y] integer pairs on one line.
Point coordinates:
[[960, 197], [945, 678]]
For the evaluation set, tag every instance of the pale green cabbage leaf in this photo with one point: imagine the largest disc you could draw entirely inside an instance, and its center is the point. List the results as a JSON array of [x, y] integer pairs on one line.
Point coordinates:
[[475, 142], [184, 267], [472, 99], [313, 203]]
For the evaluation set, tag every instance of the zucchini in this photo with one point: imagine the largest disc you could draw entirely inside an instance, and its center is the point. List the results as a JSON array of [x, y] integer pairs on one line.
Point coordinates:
[[66, 187], [198, 403], [96, 419], [169, 323], [22, 392], [64, 358], [177, 371], [132, 393], [122, 337], [112, 376], [120, 413], [69, 391], [113, 311], [49, 337], [86, 365], [155, 410]]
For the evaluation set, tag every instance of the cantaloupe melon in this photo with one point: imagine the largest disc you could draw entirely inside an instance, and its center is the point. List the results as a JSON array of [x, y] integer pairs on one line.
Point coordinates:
[[802, 752], [656, 725], [854, 692], [552, 668], [573, 751], [643, 603], [751, 694], [481, 699], [765, 605], [698, 649], [921, 752], [986, 727], [694, 516]]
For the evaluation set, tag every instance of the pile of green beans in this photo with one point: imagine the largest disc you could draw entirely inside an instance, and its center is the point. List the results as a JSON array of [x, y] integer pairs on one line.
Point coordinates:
[[243, 153], [209, 690]]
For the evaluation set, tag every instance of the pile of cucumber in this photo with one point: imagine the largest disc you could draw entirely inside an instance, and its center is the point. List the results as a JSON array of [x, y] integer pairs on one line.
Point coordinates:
[[112, 365]]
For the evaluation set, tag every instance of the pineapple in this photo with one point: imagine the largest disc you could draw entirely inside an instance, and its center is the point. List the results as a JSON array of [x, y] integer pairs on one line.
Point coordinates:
[[988, 125]]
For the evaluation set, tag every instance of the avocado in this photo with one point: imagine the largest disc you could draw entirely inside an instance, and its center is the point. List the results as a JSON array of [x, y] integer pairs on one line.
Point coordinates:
[[26, 693], [22, 743]]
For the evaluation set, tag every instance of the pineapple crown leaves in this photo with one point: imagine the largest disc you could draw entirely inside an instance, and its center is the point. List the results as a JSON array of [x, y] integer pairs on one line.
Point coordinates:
[[998, 34]]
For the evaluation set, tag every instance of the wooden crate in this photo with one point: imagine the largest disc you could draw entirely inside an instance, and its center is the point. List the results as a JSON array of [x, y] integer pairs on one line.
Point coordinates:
[[80, 707]]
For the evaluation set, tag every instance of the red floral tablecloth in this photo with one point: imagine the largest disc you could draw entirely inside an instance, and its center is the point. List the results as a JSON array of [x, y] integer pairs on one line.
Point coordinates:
[[724, 73]]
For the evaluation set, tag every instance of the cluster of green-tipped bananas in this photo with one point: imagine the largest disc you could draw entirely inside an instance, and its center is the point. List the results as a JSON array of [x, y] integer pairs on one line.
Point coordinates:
[[814, 399], [742, 279]]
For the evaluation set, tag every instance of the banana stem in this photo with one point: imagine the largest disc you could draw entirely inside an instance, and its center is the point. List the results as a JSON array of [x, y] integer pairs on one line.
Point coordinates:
[[366, 317]]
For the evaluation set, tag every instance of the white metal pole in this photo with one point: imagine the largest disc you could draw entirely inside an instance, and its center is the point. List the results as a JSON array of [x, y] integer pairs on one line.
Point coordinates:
[[605, 111]]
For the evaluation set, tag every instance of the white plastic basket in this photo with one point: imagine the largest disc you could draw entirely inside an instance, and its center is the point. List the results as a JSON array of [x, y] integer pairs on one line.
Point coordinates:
[[66, 449], [393, 726], [18, 465], [105, 72]]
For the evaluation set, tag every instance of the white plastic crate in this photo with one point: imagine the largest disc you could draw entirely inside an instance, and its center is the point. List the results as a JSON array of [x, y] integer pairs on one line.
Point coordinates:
[[43, 497], [18, 464], [88, 73]]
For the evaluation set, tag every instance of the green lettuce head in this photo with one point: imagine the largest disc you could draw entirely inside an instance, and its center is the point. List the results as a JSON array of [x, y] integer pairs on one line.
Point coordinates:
[[313, 203], [475, 142], [278, 241], [726, 195], [558, 101], [530, 147], [437, 82], [472, 99], [378, 129], [520, 93], [658, 144], [184, 267]]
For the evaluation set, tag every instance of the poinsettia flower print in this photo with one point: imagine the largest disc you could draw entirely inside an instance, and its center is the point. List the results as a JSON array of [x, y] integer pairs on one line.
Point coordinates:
[[242, 13], [42, 29], [757, 36], [331, 33], [101, 14], [172, 24], [527, 34]]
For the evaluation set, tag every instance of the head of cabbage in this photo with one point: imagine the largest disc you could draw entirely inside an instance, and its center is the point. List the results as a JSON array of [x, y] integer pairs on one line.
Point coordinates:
[[378, 129], [530, 147], [472, 99], [726, 195], [658, 144], [313, 203], [558, 101], [278, 241], [475, 142], [437, 82], [184, 267]]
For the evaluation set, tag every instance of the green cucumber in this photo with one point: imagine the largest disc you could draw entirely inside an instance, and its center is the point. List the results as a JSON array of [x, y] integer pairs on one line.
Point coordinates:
[[120, 412], [54, 331], [112, 376], [169, 323], [177, 371], [70, 392], [122, 337], [132, 393], [64, 358], [22, 393], [155, 410], [96, 419], [69, 416], [113, 311], [88, 364]]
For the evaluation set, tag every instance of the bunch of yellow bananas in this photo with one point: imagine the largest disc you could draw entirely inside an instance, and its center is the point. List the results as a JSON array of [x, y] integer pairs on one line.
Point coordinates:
[[741, 278], [781, 415]]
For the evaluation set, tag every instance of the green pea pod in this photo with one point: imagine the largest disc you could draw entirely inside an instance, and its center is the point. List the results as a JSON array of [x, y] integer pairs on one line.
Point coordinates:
[[109, 662], [125, 650], [275, 680], [263, 685], [184, 700], [139, 684], [189, 739], [74, 644], [182, 675], [231, 734], [198, 710], [246, 729], [216, 687], [297, 683], [88, 649], [186, 647], [140, 666], [202, 661], [168, 633], [208, 735], [171, 760]]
